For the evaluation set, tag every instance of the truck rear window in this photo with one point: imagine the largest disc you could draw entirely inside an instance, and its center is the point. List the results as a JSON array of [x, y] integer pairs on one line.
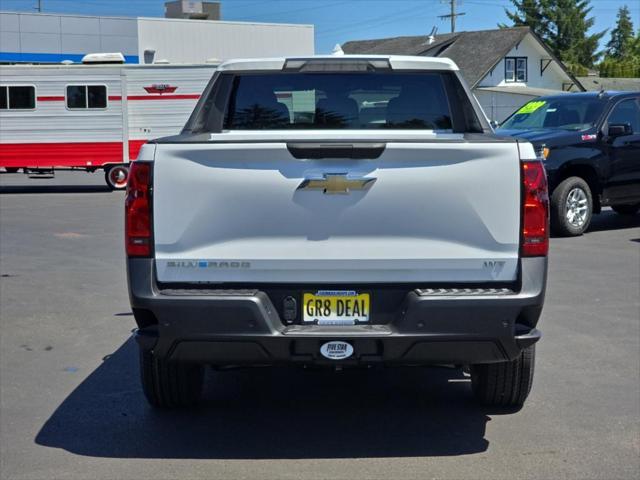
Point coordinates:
[[398, 100]]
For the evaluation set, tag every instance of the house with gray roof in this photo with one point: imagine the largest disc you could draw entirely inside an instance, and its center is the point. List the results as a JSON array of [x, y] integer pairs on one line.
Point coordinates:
[[505, 67], [594, 82]]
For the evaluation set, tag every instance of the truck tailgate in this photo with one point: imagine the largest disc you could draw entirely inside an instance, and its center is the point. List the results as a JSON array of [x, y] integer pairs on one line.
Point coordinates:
[[433, 211]]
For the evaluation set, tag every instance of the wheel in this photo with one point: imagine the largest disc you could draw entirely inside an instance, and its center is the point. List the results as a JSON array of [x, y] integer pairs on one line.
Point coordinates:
[[626, 209], [571, 207], [169, 384], [12, 169], [117, 176], [505, 384]]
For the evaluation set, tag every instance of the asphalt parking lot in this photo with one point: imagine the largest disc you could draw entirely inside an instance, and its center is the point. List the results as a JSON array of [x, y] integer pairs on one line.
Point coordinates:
[[72, 406]]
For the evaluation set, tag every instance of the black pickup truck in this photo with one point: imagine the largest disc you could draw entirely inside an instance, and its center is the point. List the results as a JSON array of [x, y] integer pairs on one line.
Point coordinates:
[[591, 146]]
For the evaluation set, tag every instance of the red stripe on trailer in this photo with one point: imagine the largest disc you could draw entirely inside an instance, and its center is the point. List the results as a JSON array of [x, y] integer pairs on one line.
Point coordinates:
[[118, 98], [51, 155], [134, 148], [164, 97]]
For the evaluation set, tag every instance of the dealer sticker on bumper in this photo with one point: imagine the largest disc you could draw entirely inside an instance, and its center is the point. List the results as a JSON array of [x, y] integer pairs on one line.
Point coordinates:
[[336, 350]]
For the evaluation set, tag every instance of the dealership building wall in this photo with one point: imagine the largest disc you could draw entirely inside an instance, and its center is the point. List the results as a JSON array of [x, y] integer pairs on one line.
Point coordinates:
[[52, 38]]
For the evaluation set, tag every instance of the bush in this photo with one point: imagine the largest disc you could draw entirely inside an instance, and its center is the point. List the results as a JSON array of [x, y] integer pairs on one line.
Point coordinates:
[[577, 70], [620, 68]]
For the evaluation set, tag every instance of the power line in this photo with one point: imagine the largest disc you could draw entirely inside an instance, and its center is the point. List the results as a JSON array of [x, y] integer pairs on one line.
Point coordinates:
[[305, 9], [452, 15], [373, 21]]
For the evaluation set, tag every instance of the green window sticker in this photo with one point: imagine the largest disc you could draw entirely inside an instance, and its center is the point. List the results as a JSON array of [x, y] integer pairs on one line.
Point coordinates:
[[531, 107]]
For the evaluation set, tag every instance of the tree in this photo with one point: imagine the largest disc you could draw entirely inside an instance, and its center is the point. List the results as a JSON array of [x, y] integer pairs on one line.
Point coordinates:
[[622, 41], [528, 13], [563, 25], [635, 45], [623, 51], [627, 68]]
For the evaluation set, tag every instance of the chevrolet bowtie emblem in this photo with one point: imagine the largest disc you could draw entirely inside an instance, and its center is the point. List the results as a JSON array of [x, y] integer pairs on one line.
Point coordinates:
[[333, 184]]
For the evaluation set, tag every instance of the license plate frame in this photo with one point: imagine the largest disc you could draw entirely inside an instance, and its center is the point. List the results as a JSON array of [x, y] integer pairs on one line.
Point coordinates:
[[345, 307]]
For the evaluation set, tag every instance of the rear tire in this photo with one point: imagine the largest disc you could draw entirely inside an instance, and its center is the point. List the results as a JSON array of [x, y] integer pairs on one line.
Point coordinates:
[[169, 384], [571, 208], [626, 209], [116, 177], [12, 169], [504, 384]]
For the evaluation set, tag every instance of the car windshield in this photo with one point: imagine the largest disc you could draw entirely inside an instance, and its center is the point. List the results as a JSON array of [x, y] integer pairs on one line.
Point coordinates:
[[399, 100], [565, 113]]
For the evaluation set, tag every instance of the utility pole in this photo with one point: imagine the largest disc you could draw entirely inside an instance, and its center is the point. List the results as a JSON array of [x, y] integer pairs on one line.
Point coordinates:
[[452, 15]]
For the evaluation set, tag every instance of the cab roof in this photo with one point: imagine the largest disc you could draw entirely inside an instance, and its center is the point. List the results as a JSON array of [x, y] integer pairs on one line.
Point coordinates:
[[605, 95], [332, 62]]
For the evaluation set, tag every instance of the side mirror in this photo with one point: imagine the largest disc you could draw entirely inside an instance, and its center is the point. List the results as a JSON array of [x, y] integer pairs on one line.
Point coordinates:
[[619, 129], [494, 124]]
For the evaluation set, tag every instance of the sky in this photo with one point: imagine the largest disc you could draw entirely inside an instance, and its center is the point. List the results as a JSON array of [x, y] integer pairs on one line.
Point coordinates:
[[337, 21]]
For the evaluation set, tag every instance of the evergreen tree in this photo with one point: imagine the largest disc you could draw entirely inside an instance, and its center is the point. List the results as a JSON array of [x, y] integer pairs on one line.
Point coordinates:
[[528, 13], [635, 45], [622, 41], [623, 50], [563, 25]]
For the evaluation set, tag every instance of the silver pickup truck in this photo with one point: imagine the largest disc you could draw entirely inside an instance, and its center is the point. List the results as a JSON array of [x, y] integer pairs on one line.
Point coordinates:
[[337, 211]]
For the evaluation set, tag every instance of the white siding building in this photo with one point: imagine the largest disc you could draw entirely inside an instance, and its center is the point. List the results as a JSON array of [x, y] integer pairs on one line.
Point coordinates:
[[540, 70], [49, 38], [195, 41], [525, 72]]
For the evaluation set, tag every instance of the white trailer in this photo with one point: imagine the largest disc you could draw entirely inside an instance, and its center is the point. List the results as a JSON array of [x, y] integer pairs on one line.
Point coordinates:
[[90, 117]]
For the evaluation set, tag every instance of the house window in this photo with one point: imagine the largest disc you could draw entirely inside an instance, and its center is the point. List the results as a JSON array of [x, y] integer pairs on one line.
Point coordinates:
[[17, 97], [515, 69], [86, 96]]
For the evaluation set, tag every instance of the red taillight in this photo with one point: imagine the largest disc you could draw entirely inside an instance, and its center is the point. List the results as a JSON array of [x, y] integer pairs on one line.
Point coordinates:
[[137, 210], [535, 211]]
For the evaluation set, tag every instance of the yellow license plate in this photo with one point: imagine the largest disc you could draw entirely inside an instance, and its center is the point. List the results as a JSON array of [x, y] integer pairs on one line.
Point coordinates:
[[336, 307]]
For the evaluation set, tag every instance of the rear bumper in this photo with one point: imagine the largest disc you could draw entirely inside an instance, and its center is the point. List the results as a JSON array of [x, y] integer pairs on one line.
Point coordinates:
[[243, 327]]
